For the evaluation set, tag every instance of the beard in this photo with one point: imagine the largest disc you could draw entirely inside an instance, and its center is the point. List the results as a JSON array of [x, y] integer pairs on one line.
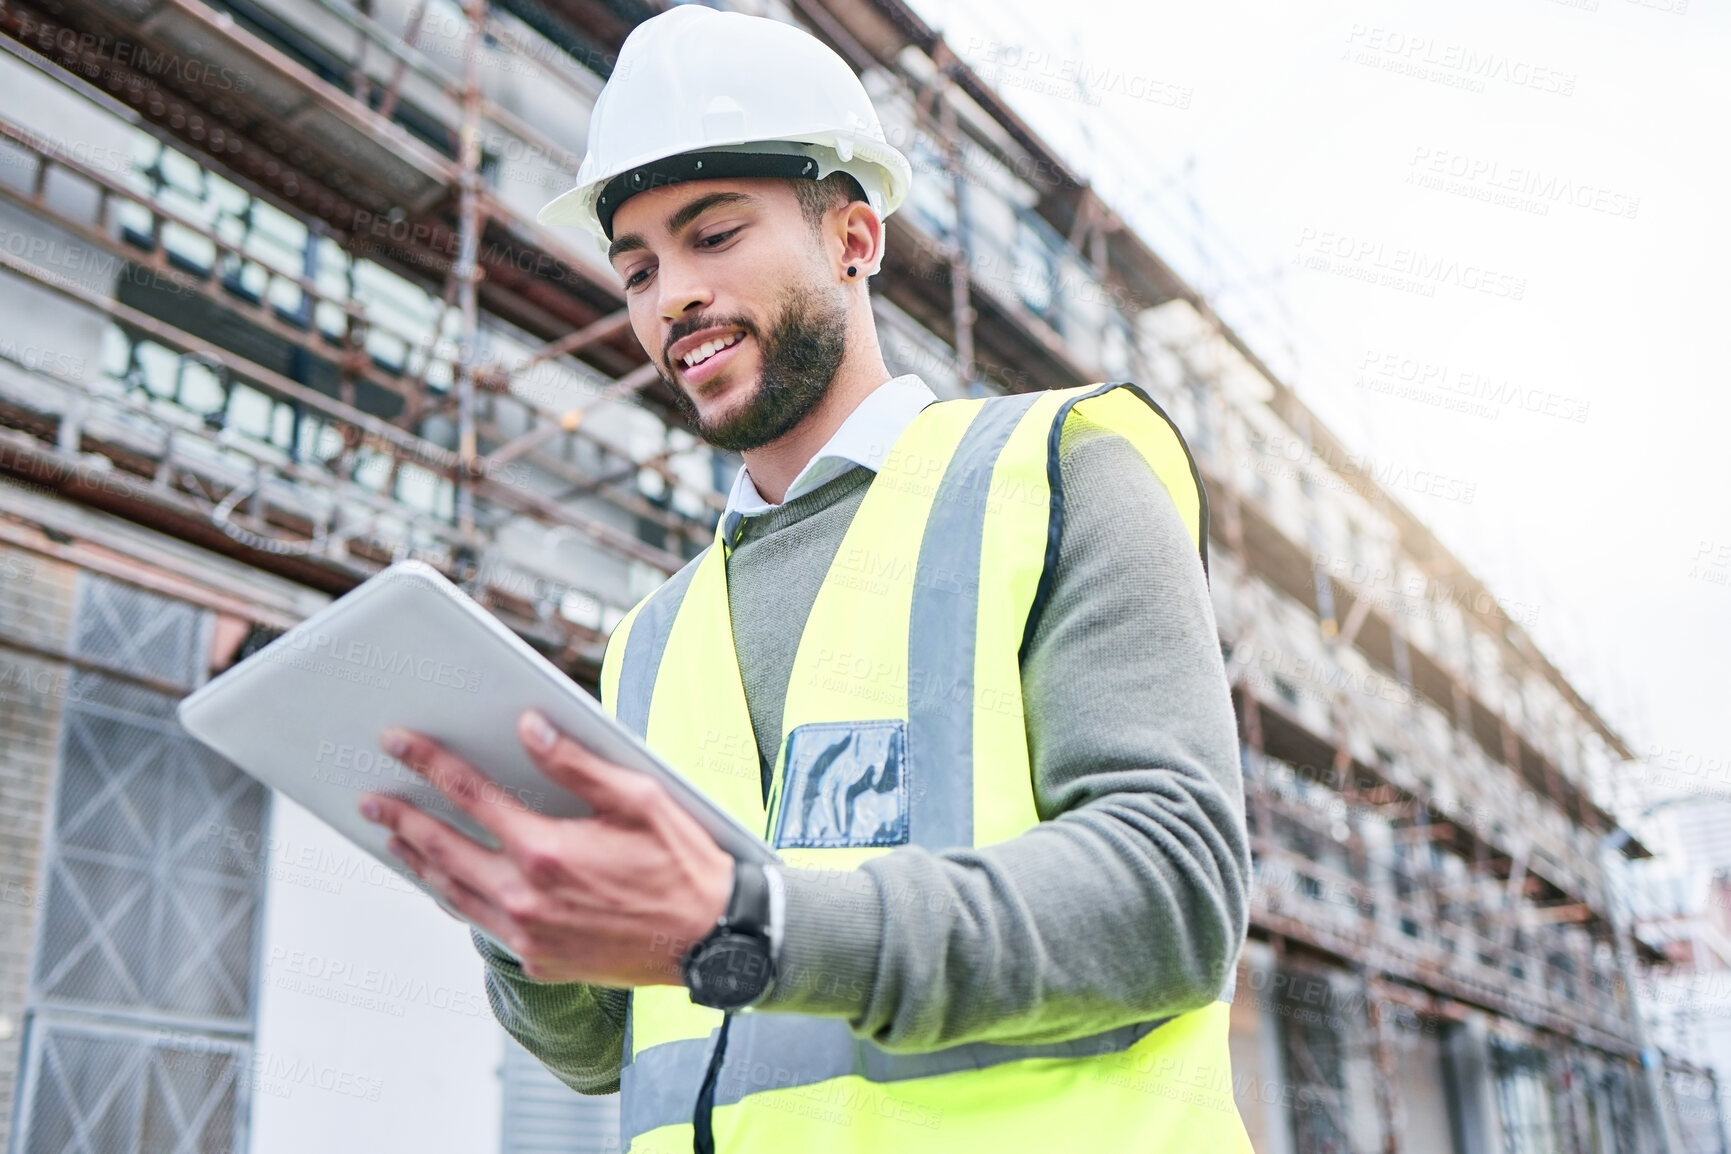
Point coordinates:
[[800, 355]]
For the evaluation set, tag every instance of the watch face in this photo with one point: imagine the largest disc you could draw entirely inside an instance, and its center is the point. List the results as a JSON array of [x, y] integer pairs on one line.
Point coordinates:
[[729, 972]]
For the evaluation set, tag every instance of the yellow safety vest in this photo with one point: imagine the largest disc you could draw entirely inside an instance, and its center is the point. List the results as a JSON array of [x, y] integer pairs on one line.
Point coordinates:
[[902, 726]]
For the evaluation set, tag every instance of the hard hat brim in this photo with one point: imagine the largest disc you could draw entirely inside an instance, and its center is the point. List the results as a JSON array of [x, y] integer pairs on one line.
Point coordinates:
[[570, 207]]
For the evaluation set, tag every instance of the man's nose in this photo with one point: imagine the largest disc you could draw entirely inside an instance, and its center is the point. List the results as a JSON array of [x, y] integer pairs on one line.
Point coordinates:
[[681, 291]]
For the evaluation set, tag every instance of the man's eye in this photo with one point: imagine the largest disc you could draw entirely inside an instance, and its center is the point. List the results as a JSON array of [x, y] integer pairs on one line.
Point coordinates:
[[636, 278], [715, 240]]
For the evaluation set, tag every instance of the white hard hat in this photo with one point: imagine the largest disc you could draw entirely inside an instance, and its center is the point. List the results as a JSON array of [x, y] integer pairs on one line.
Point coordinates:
[[700, 94]]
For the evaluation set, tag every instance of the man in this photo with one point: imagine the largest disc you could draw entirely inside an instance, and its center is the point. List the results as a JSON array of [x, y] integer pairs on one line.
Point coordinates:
[[955, 660]]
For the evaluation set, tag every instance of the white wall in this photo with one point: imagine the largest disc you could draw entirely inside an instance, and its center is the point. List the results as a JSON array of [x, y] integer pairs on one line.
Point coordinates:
[[373, 1026]]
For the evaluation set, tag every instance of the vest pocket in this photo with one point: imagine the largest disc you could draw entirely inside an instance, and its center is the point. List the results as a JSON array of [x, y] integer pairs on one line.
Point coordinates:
[[844, 784]]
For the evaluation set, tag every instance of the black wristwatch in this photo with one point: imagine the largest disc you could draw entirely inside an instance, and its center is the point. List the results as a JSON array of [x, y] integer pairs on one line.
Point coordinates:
[[734, 965]]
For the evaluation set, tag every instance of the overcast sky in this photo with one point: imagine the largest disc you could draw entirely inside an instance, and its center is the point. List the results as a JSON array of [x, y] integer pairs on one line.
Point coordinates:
[[1487, 239]]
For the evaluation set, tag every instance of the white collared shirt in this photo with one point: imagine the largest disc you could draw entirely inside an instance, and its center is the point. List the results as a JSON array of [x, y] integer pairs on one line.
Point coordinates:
[[863, 439]]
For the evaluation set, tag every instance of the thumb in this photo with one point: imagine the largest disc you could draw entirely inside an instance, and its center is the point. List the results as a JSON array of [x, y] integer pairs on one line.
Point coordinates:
[[610, 789]]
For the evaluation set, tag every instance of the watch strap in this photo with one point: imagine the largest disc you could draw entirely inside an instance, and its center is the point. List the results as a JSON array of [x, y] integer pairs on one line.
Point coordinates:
[[748, 907]]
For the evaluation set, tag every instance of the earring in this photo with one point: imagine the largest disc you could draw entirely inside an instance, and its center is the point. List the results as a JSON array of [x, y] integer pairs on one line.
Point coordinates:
[[852, 271]]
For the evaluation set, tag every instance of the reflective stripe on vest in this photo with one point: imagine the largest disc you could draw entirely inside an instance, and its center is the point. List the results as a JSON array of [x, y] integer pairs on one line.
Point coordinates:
[[903, 726]]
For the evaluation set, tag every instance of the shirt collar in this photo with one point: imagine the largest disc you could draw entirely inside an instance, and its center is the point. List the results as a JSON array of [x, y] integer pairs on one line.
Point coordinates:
[[862, 439]]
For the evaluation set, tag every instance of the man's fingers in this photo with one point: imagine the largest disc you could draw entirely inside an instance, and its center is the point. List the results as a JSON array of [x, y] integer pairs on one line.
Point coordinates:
[[443, 848], [469, 789], [461, 901], [402, 851], [609, 789]]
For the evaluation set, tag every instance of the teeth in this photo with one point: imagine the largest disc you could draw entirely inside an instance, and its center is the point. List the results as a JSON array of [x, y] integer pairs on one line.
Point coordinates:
[[708, 349]]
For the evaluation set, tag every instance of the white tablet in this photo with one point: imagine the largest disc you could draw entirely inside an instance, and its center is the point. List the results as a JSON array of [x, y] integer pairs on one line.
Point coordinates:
[[408, 648]]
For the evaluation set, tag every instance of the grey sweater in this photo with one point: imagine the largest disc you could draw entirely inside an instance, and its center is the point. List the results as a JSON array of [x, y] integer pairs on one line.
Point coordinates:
[[1128, 902]]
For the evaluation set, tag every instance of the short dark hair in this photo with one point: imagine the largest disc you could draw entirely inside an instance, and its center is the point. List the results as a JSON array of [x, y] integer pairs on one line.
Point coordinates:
[[817, 197]]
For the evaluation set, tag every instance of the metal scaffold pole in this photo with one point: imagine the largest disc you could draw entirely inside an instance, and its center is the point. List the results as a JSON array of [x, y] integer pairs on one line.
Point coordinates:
[[1390, 1109], [467, 271], [961, 291]]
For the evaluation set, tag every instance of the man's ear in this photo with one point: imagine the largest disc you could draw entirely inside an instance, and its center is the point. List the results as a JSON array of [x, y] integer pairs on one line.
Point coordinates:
[[861, 236]]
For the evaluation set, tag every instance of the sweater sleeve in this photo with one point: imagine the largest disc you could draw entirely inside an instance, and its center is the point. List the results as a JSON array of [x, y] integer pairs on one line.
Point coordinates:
[[575, 1029], [1130, 900]]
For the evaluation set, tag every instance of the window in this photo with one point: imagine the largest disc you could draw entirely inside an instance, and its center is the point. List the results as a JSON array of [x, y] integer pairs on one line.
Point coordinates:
[[270, 252]]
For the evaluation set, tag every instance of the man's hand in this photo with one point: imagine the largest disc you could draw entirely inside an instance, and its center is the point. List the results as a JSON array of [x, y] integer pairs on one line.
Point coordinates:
[[614, 899]]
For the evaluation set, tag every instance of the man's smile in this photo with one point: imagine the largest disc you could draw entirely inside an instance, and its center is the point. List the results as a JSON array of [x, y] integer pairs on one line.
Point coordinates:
[[704, 354], [710, 359]]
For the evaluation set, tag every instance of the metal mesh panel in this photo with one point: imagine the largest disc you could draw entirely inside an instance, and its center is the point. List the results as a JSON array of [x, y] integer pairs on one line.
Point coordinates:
[[141, 998], [141, 913], [94, 1090], [139, 632]]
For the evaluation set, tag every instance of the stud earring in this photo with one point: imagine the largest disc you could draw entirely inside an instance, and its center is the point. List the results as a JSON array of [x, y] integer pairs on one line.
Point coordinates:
[[852, 271]]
